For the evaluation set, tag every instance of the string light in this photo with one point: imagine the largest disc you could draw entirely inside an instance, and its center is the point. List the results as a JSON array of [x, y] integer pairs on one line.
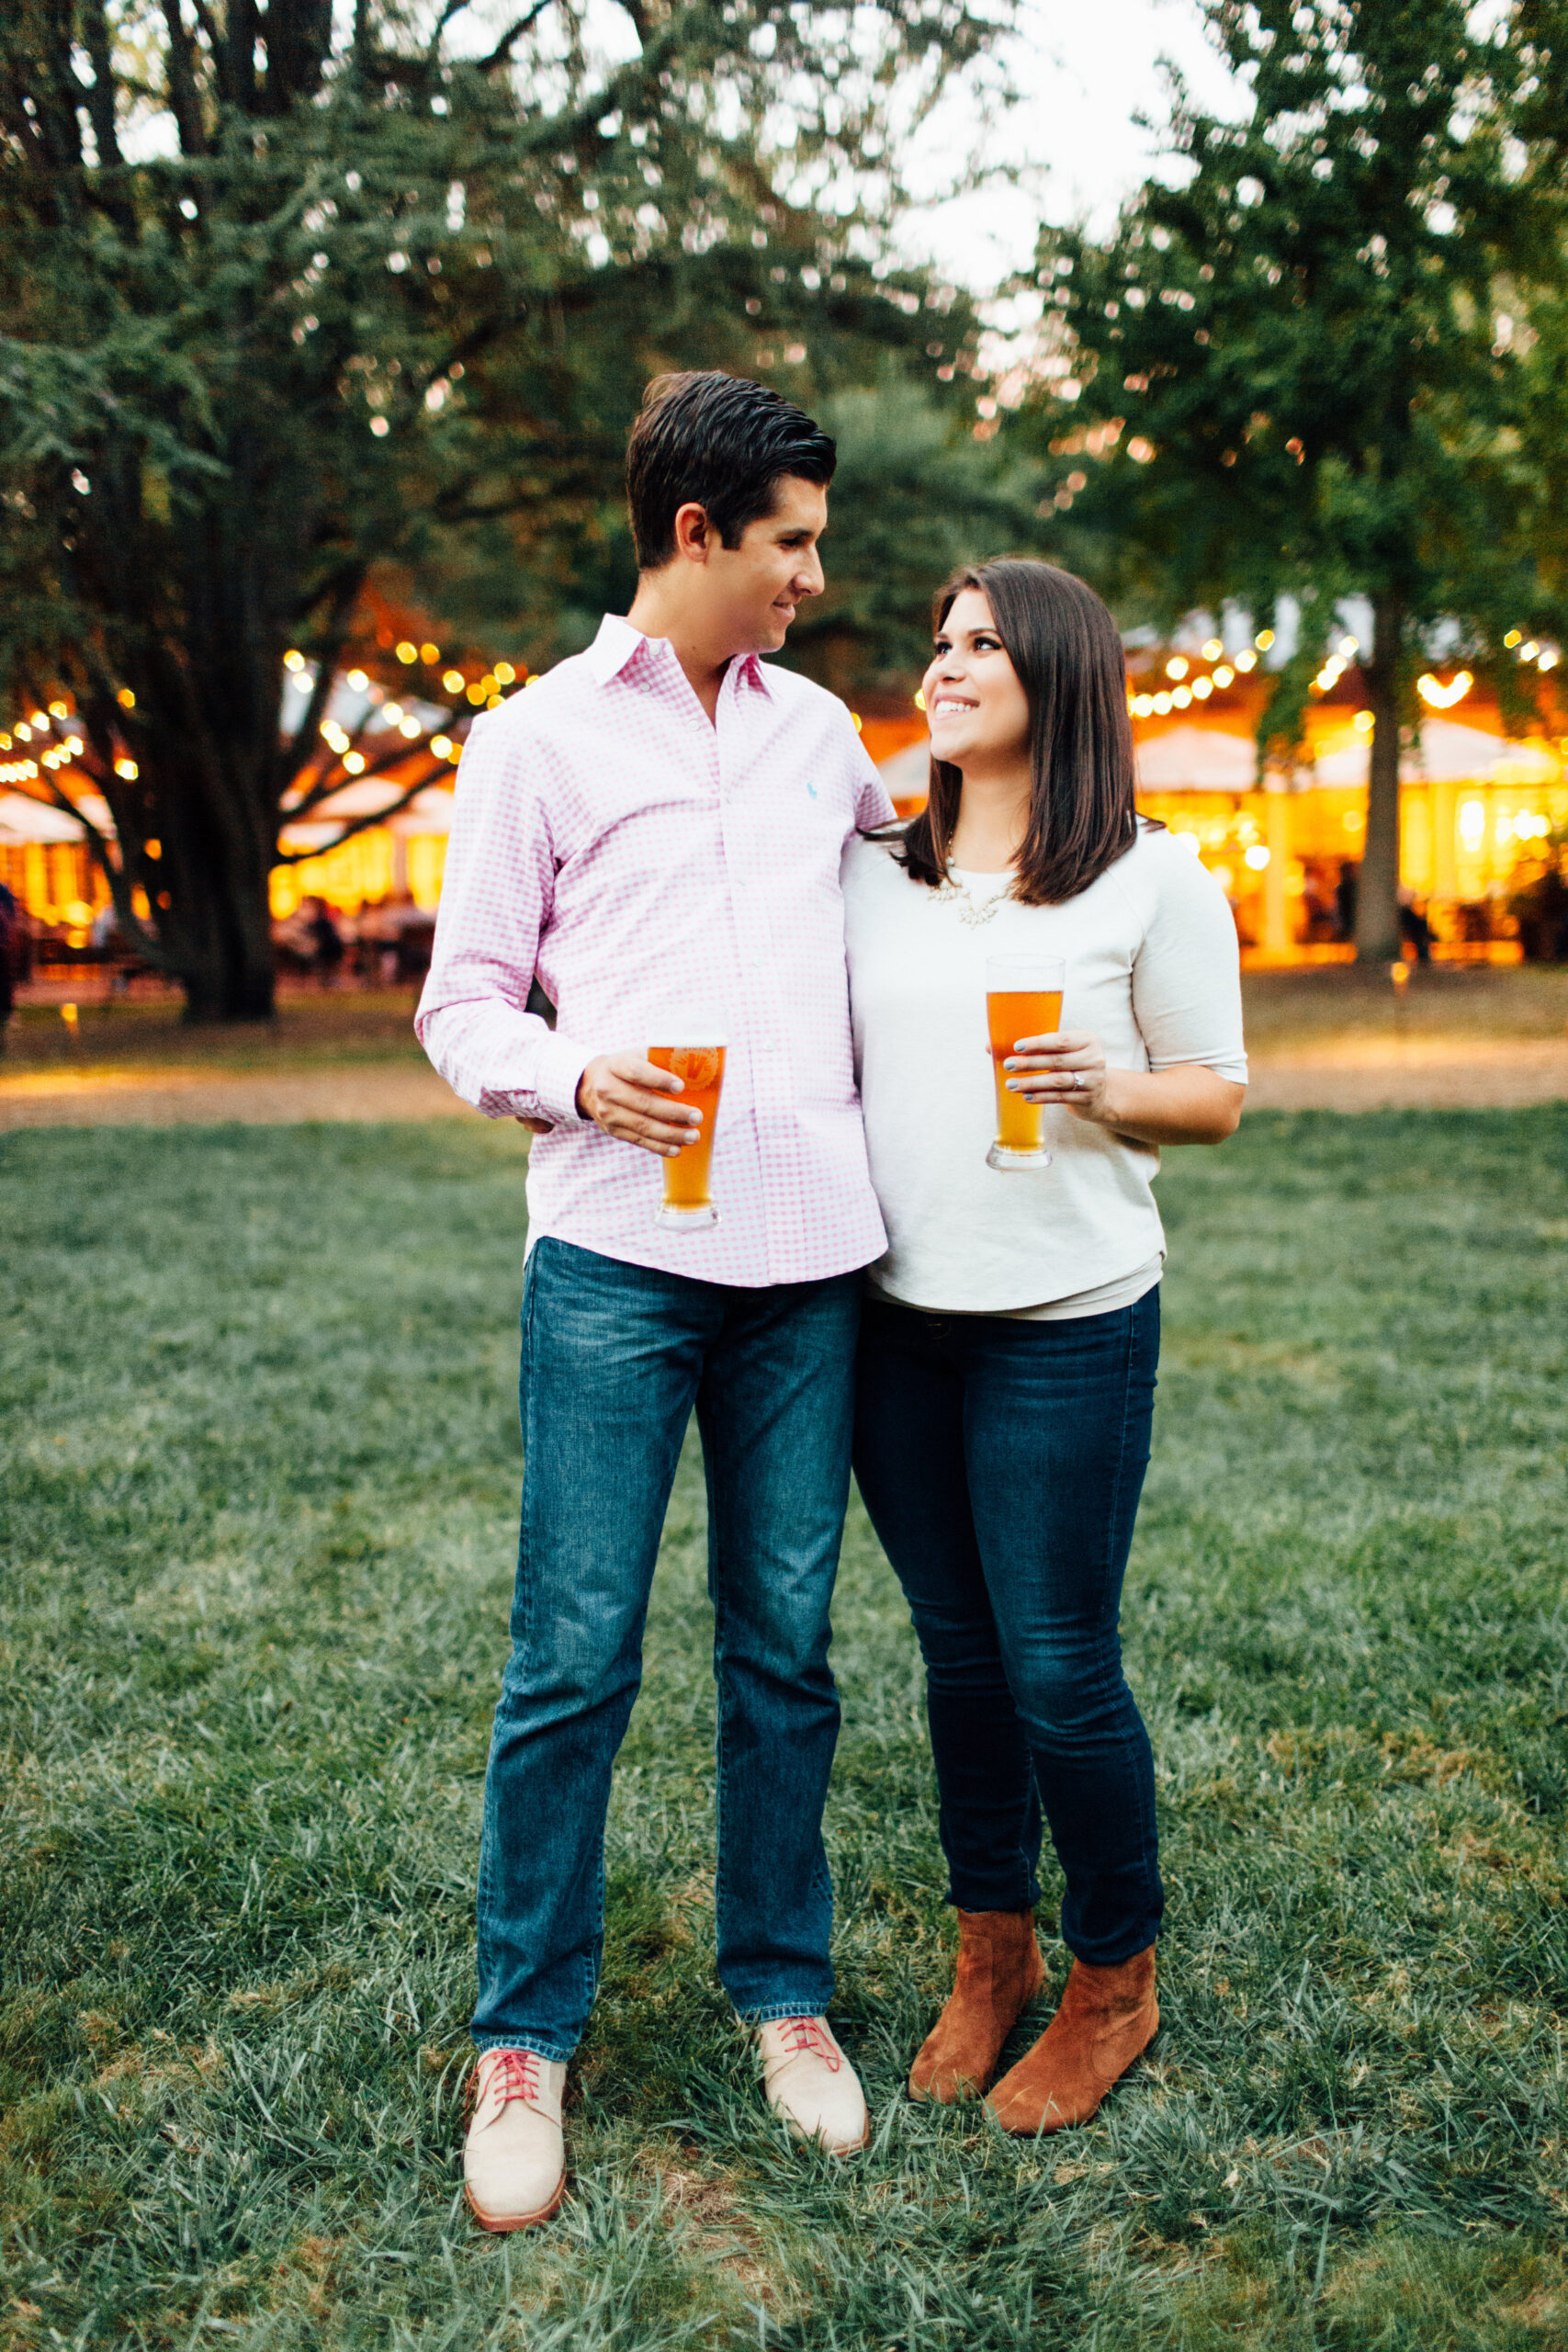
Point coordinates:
[[487, 690], [1440, 697]]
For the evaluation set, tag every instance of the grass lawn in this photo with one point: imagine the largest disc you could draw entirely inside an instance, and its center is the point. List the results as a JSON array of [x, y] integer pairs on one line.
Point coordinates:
[[1285, 1011], [258, 1526], [313, 1030]]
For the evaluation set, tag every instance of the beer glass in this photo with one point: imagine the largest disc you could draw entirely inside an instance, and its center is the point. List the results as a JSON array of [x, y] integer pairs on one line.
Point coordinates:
[[687, 1205], [1023, 998]]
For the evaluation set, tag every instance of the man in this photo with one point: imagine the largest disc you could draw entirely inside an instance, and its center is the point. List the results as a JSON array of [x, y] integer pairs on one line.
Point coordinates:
[[655, 830]]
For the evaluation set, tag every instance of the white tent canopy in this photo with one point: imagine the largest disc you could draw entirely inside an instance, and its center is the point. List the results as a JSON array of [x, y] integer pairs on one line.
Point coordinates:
[[23, 819], [1448, 753], [1197, 758]]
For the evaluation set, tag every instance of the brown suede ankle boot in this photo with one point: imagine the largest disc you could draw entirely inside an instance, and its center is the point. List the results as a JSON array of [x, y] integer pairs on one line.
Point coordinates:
[[1000, 1972], [1107, 2017]]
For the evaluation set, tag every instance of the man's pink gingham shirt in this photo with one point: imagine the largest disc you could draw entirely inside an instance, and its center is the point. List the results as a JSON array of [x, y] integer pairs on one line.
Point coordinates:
[[656, 870]]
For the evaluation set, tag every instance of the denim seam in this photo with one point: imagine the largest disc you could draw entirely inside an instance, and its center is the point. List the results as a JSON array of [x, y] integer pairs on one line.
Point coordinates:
[[720, 1775], [558, 2053], [1149, 1828], [775, 2011], [1028, 1887]]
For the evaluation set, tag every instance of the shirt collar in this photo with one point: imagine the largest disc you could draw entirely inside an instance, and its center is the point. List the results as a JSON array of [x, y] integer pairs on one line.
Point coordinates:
[[618, 641]]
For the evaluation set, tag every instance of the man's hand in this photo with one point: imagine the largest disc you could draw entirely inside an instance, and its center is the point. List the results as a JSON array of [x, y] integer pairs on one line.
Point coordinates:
[[629, 1097]]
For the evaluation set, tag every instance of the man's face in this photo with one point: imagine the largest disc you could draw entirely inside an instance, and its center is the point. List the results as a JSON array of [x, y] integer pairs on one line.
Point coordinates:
[[751, 590]]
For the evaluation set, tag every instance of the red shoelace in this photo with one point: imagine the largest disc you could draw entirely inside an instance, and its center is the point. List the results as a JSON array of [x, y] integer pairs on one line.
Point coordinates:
[[516, 2074], [806, 2036]]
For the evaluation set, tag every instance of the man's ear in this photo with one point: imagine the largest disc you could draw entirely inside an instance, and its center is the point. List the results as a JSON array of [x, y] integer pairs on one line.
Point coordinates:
[[694, 534]]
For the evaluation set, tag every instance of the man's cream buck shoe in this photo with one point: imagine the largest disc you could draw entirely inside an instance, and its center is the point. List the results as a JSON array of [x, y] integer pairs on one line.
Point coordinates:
[[812, 2084], [515, 2156]]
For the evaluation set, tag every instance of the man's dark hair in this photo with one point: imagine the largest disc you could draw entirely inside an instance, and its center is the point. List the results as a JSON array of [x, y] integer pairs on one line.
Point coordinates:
[[720, 443]]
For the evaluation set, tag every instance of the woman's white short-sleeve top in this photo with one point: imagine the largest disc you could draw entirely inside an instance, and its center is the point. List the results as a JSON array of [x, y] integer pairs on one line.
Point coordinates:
[[1152, 967]]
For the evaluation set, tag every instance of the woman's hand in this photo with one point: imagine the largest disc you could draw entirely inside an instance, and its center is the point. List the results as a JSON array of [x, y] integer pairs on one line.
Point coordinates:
[[1067, 1066], [1186, 1103]]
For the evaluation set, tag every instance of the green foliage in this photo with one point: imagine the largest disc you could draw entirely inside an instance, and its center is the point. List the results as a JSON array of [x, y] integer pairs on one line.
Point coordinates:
[[1320, 340], [261, 1487], [374, 291], [915, 495]]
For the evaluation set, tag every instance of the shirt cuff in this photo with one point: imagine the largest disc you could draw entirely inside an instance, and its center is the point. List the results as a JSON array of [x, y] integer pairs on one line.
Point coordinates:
[[561, 1065], [551, 1093]]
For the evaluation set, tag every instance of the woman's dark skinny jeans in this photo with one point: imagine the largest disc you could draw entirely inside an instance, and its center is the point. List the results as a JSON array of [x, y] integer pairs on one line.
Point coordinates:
[[1002, 1462]]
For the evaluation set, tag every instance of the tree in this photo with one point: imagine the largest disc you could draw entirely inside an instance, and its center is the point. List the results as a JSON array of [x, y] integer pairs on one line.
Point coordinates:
[[290, 298], [915, 495], [1315, 343]]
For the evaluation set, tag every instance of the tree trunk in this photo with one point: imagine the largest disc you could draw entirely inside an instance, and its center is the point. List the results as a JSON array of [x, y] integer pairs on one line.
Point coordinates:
[[226, 966], [1377, 889], [209, 821]]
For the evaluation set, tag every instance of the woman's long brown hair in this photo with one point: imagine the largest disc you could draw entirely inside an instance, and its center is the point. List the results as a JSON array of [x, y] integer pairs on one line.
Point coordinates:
[[1065, 647]]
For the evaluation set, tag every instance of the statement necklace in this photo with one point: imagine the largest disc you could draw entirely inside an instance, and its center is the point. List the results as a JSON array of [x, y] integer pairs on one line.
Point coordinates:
[[972, 910]]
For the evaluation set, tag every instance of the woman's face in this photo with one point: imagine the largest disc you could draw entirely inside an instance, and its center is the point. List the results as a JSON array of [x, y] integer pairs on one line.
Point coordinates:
[[976, 709]]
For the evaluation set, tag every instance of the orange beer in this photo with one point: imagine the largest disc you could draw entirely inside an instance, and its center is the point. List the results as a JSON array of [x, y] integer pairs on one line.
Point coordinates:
[[687, 1205], [1023, 998]]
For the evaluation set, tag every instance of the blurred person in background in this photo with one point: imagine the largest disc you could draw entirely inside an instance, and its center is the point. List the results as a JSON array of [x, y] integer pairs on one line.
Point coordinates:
[[1414, 927], [328, 947], [1345, 892], [11, 920]]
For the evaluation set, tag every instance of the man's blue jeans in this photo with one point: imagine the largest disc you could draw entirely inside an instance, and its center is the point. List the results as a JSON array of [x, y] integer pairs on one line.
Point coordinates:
[[615, 1356], [1002, 1462]]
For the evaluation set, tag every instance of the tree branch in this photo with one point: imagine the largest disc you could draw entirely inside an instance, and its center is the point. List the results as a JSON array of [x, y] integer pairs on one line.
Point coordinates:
[[357, 824], [344, 596], [145, 943], [185, 98], [501, 52]]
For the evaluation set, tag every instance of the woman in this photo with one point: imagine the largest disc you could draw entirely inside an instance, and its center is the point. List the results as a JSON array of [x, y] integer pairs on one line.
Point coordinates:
[[1011, 1330]]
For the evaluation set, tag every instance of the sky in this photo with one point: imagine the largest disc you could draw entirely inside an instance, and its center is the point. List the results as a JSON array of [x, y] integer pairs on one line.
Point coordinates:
[[1086, 68]]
